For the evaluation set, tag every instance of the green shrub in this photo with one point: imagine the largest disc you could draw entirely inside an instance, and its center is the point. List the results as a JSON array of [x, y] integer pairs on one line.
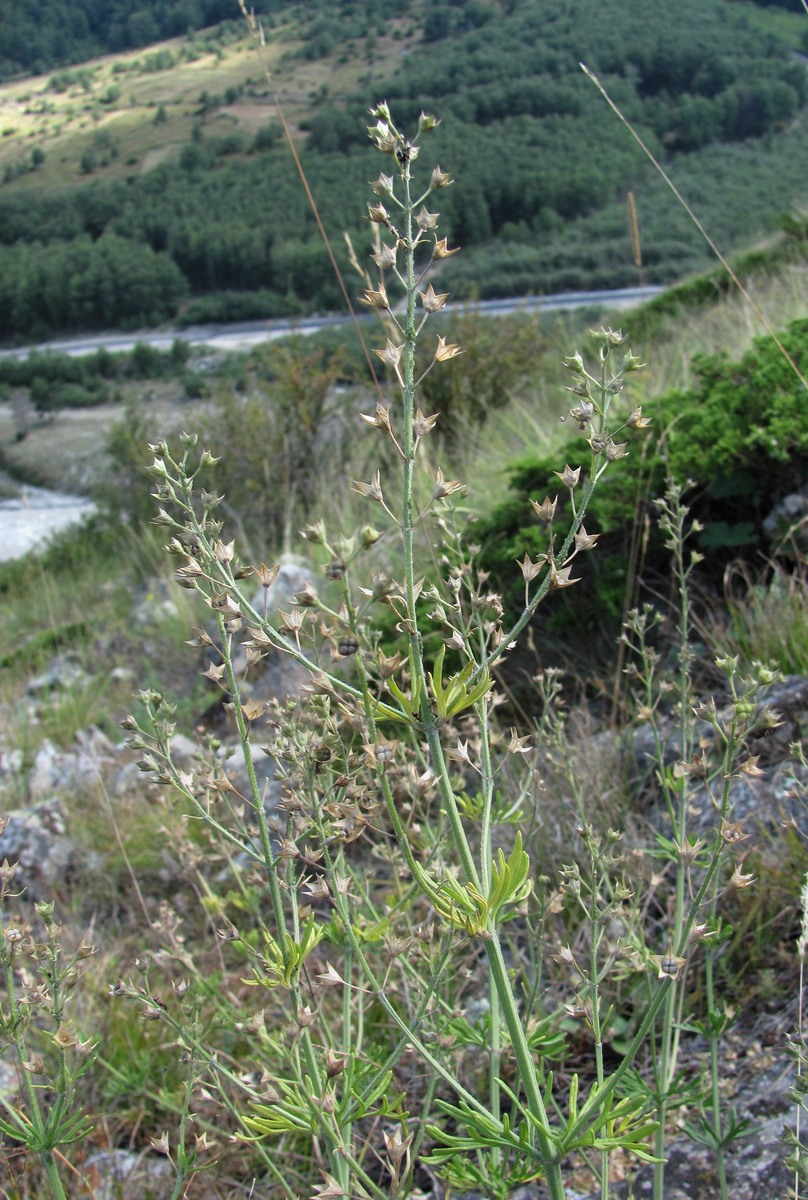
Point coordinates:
[[737, 436]]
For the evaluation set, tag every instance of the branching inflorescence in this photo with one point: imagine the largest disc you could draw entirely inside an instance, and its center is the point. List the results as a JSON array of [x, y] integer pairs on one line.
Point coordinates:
[[395, 753]]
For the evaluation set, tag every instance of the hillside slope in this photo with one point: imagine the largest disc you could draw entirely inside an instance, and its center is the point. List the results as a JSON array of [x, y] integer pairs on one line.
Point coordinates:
[[131, 186]]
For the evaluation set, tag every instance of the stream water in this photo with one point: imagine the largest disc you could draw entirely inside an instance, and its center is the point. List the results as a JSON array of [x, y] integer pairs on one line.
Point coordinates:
[[32, 515]]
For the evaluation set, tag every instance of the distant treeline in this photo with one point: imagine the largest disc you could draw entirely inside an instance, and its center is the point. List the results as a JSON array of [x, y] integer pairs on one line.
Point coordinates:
[[63, 381], [41, 34], [38, 35], [542, 169]]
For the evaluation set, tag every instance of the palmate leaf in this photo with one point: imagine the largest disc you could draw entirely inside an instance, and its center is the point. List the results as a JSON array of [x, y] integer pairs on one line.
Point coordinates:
[[360, 1102], [482, 1130], [496, 1156], [702, 1131], [489, 1172], [455, 695], [615, 1125], [509, 880], [464, 905], [292, 1113], [59, 1129], [544, 1037], [284, 959], [21, 1129]]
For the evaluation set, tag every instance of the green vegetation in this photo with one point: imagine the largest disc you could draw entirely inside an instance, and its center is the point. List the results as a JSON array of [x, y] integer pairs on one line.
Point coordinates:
[[735, 439], [419, 915], [414, 946], [36, 37], [542, 172], [83, 606]]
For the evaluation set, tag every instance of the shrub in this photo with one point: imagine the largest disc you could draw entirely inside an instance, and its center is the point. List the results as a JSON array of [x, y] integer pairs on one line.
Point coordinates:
[[735, 439]]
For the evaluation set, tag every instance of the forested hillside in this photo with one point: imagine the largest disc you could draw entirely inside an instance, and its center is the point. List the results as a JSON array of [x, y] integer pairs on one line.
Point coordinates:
[[543, 168], [42, 34]]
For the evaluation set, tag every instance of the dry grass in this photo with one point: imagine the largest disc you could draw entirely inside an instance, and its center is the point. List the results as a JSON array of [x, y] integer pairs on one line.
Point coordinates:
[[64, 125], [728, 326]]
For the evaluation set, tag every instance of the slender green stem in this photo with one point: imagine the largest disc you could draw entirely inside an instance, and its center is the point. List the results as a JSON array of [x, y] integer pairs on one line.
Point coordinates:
[[486, 855], [527, 1070], [255, 791], [182, 1155], [590, 1108], [350, 1045], [44, 1131], [52, 1172], [594, 992], [715, 1097]]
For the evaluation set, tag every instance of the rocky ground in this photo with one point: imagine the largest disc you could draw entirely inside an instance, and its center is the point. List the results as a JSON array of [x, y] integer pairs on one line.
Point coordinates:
[[42, 836]]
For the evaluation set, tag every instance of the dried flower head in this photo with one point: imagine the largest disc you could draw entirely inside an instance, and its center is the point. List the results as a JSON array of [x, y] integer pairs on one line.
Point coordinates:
[[426, 220], [583, 413], [431, 301], [383, 186], [445, 487], [376, 298], [569, 477], [732, 832], [391, 355], [546, 510], [444, 352], [585, 541], [442, 250], [385, 257], [668, 965], [439, 179]]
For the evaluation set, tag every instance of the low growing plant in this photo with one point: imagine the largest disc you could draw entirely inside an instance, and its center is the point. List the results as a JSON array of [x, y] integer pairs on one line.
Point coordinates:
[[49, 1055]]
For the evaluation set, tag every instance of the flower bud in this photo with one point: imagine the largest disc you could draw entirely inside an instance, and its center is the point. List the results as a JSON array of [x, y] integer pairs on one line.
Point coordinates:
[[368, 536]]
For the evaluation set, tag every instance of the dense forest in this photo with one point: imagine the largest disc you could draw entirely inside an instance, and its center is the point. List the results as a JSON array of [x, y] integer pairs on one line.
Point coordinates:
[[542, 167], [42, 34]]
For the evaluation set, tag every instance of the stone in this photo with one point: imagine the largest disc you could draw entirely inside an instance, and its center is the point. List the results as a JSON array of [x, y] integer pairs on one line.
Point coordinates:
[[155, 603], [36, 839], [124, 1175], [787, 523], [88, 760], [184, 751], [62, 673]]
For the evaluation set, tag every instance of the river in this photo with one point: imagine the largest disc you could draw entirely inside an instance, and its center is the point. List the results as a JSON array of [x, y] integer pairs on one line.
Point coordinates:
[[32, 515]]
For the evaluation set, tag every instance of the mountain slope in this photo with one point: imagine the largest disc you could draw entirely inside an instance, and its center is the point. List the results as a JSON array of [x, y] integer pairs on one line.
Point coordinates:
[[175, 159]]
